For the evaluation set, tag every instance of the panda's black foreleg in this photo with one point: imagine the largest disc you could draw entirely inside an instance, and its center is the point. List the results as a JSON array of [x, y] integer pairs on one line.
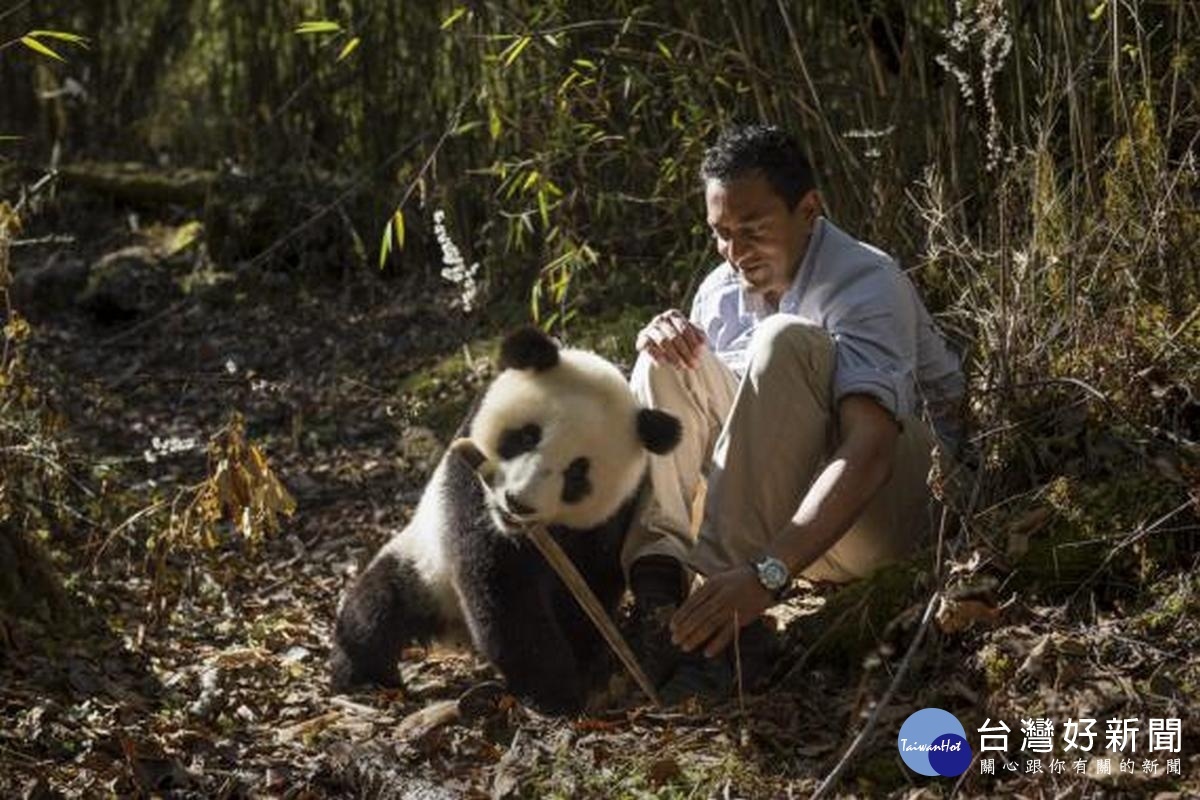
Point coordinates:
[[387, 608], [521, 637]]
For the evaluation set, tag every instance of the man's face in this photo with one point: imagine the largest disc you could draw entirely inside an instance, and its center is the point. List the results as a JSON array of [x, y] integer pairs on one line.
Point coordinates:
[[757, 234]]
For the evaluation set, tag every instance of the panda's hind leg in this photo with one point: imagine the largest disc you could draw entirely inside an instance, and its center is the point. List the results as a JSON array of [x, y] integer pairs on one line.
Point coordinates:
[[387, 608]]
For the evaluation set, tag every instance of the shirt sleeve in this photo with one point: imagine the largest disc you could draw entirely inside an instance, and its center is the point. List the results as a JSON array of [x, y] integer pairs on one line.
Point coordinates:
[[876, 340]]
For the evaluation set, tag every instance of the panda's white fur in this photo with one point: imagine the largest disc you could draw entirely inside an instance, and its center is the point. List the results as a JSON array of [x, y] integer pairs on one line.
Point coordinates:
[[584, 408], [460, 565]]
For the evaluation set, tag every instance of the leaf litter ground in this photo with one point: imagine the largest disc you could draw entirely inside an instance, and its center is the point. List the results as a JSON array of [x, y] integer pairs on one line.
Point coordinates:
[[206, 677]]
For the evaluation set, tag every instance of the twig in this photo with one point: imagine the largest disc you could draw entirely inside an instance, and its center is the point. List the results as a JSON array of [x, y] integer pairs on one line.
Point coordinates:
[[737, 661], [869, 726], [150, 509], [14, 9], [54, 238]]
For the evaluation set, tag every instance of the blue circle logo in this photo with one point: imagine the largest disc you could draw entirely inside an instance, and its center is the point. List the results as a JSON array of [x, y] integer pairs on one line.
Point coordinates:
[[933, 742]]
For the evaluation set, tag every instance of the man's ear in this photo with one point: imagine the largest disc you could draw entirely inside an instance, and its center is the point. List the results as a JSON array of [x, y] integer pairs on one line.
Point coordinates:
[[658, 430], [811, 206], [528, 348]]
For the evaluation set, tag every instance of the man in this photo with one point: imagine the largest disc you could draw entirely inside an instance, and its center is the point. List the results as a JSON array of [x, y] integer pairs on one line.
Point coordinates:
[[801, 376]]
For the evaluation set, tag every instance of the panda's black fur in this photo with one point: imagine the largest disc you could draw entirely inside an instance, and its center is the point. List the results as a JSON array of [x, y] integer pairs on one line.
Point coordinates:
[[463, 570]]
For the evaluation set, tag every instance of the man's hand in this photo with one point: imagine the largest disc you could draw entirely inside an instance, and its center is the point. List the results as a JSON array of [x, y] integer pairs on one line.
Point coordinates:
[[671, 338], [708, 615]]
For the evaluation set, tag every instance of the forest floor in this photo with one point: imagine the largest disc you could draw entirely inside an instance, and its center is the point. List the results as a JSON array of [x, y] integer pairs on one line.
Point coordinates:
[[206, 676]]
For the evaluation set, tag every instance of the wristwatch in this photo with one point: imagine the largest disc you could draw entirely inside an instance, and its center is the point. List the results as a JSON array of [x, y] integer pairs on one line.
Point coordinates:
[[773, 574]]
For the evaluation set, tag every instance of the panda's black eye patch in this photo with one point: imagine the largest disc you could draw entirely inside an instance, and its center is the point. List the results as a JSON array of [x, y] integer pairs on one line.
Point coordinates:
[[576, 485], [515, 441]]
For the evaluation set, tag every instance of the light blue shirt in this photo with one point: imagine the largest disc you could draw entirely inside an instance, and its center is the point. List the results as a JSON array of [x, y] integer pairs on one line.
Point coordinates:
[[887, 344]]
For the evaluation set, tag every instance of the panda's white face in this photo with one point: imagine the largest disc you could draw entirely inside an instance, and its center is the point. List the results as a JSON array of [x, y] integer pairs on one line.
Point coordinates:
[[561, 444]]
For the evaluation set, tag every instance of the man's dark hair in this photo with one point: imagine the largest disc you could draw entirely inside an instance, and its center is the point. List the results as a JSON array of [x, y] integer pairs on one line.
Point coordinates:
[[746, 149]]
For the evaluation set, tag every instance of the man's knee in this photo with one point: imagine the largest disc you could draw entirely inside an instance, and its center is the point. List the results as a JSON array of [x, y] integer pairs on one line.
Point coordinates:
[[651, 379], [785, 342]]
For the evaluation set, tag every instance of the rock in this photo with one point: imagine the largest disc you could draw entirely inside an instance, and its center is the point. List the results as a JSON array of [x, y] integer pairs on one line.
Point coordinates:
[[126, 284]]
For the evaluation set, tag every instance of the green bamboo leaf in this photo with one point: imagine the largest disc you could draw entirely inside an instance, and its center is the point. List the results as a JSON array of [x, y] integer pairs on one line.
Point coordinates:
[[514, 50], [467, 127], [585, 63], [530, 180], [1098, 11], [350, 47], [454, 17], [385, 244], [318, 26], [662, 48], [543, 209], [398, 226], [495, 126], [73, 38], [38, 47], [8, 137]]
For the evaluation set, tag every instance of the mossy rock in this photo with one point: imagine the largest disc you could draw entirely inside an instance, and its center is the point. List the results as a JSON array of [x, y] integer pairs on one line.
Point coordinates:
[[855, 618], [1078, 524]]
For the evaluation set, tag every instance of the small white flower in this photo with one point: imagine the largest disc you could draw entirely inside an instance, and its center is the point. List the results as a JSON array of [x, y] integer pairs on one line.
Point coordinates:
[[230, 366]]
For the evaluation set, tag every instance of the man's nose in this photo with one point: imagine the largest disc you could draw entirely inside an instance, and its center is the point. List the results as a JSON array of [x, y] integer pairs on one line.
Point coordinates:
[[734, 251]]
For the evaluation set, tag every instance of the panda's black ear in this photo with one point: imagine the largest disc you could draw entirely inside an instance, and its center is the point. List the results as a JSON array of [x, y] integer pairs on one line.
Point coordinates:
[[528, 348], [658, 430]]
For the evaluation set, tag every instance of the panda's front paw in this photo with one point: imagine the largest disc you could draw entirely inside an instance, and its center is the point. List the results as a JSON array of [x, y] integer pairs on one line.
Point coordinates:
[[347, 675]]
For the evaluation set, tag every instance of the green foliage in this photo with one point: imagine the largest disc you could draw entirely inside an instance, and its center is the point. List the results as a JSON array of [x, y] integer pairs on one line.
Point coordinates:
[[33, 41]]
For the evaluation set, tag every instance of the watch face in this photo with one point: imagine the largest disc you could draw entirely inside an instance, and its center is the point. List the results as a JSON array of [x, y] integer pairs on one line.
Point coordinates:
[[772, 573]]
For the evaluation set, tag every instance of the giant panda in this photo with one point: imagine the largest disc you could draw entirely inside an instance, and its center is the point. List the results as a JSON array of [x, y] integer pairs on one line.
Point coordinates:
[[556, 439]]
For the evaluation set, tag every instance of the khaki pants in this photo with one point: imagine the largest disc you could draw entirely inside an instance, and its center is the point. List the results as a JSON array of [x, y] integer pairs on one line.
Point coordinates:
[[761, 443]]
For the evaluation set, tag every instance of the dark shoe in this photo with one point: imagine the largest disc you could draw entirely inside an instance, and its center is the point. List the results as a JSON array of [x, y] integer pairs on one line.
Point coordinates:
[[759, 647], [701, 677], [659, 585], [650, 640]]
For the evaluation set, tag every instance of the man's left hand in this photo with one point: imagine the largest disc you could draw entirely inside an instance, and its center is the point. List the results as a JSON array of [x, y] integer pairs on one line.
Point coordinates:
[[709, 614]]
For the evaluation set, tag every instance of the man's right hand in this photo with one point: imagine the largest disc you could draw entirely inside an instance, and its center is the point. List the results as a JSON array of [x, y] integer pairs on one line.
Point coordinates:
[[671, 338]]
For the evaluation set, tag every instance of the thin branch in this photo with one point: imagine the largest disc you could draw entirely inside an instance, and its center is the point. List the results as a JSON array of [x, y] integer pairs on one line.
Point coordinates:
[[869, 726]]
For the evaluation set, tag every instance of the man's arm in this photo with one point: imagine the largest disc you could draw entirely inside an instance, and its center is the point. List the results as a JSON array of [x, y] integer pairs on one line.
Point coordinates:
[[860, 466]]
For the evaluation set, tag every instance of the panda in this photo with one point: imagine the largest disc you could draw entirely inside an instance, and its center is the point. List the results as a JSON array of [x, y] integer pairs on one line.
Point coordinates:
[[557, 439]]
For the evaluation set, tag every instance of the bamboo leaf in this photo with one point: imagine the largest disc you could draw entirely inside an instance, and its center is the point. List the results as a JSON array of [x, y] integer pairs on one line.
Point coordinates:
[[514, 50], [8, 137], [454, 17], [38, 47], [385, 244], [467, 127], [65, 36], [350, 47], [1098, 11], [495, 126], [398, 226], [318, 26], [543, 208]]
